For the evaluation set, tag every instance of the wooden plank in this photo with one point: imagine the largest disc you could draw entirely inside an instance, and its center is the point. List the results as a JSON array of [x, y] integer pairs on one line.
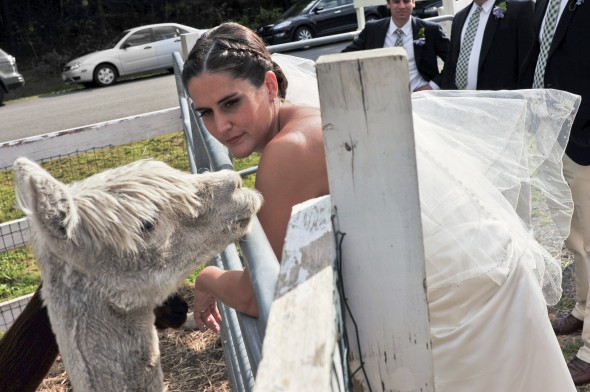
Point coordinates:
[[114, 132], [300, 342], [369, 142]]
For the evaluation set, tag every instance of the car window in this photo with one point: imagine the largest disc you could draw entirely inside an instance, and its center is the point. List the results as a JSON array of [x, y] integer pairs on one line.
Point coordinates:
[[166, 32], [140, 37], [325, 4], [116, 40], [299, 7]]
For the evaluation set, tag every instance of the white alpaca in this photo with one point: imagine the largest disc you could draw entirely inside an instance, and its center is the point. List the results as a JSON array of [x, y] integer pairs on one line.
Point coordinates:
[[116, 245]]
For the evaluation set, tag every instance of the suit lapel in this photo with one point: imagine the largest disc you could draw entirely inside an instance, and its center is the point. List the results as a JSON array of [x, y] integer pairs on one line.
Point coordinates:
[[417, 48], [488, 34], [383, 27], [540, 9], [562, 25]]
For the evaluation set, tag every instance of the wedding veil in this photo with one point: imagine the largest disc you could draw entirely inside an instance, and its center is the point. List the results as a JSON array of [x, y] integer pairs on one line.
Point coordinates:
[[492, 193]]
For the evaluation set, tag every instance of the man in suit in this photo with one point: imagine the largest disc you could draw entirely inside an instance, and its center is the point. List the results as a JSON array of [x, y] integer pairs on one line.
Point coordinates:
[[560, 59], [489, 42], [423, 41]]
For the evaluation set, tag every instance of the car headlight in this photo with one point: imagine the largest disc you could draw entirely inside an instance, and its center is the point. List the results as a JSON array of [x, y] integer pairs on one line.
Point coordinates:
[[74, 66], [282, 25]]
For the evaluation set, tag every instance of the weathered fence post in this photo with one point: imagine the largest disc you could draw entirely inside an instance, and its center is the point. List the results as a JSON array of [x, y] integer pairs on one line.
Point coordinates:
[[369, 141], [301, 351]]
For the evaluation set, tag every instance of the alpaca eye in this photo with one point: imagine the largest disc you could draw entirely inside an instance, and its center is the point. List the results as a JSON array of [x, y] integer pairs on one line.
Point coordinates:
[[62, 230], [147, 226]]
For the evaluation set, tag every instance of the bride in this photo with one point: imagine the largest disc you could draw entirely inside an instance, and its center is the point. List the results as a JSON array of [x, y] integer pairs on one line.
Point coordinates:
[[486, 183]]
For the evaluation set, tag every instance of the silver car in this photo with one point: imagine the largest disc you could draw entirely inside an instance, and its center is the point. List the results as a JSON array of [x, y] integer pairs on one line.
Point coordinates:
[[10, 78], [137, 50]]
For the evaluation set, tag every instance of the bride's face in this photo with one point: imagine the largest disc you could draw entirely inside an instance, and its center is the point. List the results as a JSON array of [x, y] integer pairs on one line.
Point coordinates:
[[237, 113]]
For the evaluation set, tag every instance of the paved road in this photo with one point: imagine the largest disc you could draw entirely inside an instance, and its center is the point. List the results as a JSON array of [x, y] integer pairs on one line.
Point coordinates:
[[77, 108], [56, 112]]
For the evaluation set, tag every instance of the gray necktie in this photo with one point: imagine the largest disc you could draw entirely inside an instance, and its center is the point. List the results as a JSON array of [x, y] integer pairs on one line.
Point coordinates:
[[398, 40], [465, 52], [548, 32]]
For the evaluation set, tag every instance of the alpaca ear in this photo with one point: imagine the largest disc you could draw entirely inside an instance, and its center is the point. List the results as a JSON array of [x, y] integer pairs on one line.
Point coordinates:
[[44, 199]]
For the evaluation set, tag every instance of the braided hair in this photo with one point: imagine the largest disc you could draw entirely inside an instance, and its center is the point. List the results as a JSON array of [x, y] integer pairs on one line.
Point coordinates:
[[233, 48]]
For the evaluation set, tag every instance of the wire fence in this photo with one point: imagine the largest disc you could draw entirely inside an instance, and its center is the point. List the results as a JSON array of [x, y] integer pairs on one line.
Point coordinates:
[[80, 164]]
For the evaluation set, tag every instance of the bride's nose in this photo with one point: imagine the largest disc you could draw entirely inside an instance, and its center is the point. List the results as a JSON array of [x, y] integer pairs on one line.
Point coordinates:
[[222, 123]]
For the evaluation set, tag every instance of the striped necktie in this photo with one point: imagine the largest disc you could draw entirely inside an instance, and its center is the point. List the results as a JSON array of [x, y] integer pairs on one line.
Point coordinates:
[[548, 32], [398, 40], [465, 51]]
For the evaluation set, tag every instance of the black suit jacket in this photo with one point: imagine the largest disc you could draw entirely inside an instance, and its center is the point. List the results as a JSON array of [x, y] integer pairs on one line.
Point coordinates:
[[506, 42], [436, 44], [567, 68]]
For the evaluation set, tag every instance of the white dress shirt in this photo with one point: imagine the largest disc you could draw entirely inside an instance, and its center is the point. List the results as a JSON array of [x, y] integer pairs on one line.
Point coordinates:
[[416, 80], [473, 66]]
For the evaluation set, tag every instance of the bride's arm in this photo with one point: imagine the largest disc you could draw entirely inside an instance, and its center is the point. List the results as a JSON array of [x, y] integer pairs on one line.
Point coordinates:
[[233, 288]]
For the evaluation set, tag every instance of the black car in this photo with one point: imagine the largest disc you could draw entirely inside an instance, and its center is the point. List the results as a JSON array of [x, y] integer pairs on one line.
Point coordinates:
[[426, 8], [309, 19]]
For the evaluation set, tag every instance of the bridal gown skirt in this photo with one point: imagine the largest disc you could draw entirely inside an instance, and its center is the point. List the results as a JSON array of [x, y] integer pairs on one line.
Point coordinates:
[[488, 338]]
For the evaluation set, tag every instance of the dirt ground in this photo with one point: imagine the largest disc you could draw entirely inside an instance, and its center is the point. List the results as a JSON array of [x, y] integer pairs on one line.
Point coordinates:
[[569, 343], [191, 362]]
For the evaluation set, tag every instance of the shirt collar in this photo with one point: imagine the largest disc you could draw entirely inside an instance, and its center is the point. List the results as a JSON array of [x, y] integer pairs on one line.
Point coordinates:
[[407, 28], [487, 6]]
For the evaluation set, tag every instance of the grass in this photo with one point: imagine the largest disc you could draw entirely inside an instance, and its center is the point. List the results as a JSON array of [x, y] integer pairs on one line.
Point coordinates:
[[19, 274]]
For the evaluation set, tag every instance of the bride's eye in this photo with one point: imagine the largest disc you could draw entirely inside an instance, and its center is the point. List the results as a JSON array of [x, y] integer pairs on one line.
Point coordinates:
[[204, 112], [231, 102]]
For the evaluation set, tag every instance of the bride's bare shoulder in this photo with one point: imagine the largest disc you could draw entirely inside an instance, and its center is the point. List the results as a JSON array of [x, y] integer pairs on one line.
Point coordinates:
[[299, 118], [300, 134]]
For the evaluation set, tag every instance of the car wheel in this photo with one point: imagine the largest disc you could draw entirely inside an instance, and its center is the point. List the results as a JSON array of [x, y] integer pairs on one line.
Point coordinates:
[[1, 96], [105, 75], [303, 33]]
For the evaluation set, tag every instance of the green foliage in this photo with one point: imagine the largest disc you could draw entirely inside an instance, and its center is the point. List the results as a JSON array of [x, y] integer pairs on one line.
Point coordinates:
[[263, 17], [19, 274]]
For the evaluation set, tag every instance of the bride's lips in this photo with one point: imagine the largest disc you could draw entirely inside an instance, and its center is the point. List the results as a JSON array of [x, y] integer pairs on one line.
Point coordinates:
[[234, 139]]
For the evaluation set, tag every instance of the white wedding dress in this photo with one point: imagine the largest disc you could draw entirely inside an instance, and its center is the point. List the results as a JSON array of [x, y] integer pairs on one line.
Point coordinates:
[[495, 212]]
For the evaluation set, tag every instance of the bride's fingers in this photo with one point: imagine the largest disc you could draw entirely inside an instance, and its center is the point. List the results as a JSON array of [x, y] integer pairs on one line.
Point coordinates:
[[211, 323], [215, 312], [200, 321]]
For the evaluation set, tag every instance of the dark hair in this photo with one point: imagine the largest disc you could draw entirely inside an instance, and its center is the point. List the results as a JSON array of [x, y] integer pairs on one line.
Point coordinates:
[[233, 48]]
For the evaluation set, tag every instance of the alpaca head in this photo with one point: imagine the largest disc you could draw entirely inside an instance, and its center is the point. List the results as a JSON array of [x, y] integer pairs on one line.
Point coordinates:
[[137, 229]]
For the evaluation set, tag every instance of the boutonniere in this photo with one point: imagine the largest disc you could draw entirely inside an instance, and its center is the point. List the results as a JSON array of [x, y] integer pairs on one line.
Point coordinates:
[[499, 10], [421, 36]]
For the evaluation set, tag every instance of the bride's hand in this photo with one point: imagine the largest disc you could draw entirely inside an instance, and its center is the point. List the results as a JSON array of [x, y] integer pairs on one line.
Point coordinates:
[[205, 310]]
